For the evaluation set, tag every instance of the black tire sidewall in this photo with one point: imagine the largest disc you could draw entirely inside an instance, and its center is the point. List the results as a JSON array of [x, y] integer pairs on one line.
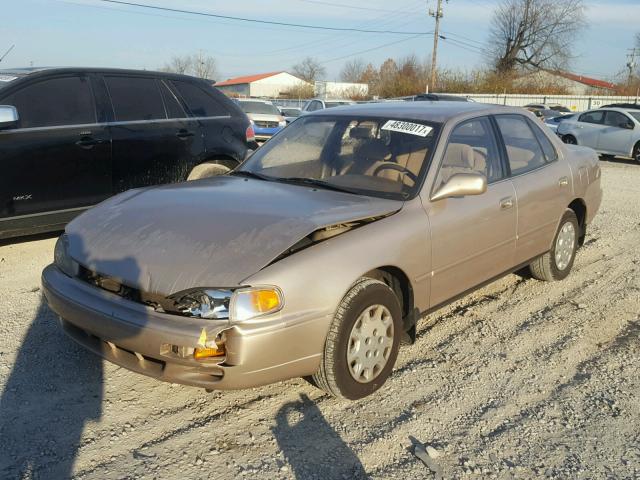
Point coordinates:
[[569, 216], [566, 137], [371, 295]]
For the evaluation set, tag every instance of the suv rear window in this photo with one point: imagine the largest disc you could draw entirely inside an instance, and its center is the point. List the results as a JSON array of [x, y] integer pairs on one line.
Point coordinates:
[[53, 102], [199, 102], [135, 98]]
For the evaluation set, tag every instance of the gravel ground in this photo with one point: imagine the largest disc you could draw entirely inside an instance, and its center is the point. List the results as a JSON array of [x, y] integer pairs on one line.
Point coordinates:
[[522, 379]]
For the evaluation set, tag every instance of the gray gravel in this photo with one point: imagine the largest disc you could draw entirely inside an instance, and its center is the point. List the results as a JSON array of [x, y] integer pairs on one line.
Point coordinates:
[[522, 379]]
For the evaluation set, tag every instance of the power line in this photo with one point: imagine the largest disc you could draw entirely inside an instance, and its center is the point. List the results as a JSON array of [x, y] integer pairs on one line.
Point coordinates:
[[254, 20], [374, 48], [353, 7]]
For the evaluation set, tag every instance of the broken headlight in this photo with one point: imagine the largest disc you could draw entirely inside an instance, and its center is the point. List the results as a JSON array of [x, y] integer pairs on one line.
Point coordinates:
[[206, 303], [238, 305], [62, 259]]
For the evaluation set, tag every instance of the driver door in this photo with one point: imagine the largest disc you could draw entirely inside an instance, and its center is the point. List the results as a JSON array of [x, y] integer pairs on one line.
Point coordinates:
[[613, 137], [473, 238]]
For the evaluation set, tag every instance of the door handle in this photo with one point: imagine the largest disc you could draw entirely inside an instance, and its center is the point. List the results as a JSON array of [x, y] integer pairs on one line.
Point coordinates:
[[184, 134], [506, 203], [563, 181], [88, 142]]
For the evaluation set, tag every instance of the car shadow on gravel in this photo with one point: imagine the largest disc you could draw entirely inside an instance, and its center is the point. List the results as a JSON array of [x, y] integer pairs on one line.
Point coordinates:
[[311, 446], [54, 389]]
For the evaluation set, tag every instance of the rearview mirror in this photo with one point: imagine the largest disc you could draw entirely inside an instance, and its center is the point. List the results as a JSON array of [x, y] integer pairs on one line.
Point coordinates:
[[460, 185], [8, 116]]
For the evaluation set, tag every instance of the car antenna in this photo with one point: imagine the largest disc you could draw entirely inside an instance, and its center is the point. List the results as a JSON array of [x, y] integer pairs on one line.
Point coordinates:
[[7, 52]]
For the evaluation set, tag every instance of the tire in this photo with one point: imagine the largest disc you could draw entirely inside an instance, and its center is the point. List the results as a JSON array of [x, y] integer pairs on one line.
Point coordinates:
[[206, 170], [337, 374], [636, 152], [556, 264], [570, 140]]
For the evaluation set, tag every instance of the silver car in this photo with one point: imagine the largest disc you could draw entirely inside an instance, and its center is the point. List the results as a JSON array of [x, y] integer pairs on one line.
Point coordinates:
[[609, 131], [320, 253]]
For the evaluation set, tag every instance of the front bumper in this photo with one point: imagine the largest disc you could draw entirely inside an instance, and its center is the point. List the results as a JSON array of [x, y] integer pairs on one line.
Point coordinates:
[[138, 338], [265, 133]]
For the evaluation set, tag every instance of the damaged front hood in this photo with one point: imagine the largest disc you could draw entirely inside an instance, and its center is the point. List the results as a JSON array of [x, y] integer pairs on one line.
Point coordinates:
[[209, 233]]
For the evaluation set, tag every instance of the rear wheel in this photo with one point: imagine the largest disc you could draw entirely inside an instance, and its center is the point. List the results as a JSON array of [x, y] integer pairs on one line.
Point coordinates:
[[570, 140], [556, 264], [362, 343], [206, 170]]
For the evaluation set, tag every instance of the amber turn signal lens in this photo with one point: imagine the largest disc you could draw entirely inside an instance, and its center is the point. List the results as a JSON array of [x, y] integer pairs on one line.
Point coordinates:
[[200, 353], [264, 300]]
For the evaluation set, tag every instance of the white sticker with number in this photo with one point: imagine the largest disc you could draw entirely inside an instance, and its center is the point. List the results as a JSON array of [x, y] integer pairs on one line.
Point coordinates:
[[407, 127]]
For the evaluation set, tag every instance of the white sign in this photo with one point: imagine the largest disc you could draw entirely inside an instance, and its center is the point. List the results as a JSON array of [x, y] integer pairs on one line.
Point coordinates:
[[407, 127]]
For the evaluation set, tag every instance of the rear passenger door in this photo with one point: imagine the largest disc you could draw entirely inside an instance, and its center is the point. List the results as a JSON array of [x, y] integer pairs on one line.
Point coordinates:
[[154, 141], [542, 183], [58, 158]]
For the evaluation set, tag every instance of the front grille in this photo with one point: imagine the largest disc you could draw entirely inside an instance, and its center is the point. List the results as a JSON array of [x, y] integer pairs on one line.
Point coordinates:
[[265, 124]]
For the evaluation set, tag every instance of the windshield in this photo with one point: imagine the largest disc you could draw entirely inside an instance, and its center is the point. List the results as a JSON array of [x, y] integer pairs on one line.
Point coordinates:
[[635, 115], [259, 107], [370, 156]]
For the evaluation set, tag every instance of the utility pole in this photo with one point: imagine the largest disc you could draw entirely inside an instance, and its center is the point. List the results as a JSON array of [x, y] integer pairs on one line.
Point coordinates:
[[434, 54], [631, 64]]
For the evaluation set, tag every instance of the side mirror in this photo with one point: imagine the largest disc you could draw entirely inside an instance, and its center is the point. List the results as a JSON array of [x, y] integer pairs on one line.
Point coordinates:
[[626, 125], [8, 116], [460, 185]]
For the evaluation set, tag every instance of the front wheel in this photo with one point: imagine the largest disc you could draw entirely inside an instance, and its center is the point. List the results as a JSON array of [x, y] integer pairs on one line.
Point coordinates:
[[362, 343], [569, 140], [636, 152], [206, 170], [556, 264]]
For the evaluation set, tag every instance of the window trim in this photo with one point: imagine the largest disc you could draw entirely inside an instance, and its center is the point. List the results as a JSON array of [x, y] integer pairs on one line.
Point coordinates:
[[504, 144], [533, 126]]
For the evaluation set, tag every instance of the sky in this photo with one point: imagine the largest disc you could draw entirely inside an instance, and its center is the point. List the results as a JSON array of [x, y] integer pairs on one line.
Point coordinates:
[[95, 33]]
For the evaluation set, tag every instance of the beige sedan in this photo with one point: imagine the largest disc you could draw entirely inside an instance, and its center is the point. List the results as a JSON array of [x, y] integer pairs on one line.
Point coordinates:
[[318, 255]]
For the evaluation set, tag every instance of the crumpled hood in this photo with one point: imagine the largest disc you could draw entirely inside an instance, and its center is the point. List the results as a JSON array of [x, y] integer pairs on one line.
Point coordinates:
[[209, 233]]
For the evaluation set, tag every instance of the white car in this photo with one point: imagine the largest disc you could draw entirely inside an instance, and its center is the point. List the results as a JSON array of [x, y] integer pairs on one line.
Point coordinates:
[[609, 131]]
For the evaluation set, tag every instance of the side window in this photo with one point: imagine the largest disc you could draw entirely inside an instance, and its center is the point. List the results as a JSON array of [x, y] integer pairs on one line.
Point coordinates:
[[58, 101], [471, 148], [314, 105], [135, 98], [171, 103], [615, 119], [523, 150], [199, 102], [592, 117], [550, 153]]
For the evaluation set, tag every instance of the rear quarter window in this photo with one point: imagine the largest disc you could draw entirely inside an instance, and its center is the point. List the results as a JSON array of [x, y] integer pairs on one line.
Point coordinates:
[[135, 98], [199, 102]]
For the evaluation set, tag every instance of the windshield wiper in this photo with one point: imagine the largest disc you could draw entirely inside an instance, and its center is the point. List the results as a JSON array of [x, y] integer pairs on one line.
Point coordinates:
[[248, 174], [316, 183]]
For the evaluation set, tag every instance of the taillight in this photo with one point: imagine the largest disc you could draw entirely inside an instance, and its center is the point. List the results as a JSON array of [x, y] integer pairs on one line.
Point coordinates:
[[251, 134]]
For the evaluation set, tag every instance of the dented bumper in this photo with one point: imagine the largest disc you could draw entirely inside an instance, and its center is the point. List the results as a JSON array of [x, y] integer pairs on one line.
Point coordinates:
[[138, 338]]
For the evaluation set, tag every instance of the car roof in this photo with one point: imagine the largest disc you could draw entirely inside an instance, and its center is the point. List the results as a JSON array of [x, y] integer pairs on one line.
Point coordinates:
[[37, 71], [256, 100], [430, 111]]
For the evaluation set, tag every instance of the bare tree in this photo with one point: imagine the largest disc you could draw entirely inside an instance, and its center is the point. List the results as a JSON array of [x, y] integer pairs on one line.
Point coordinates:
[[197, 64], [353, 71], [534, 33], [309, 69]]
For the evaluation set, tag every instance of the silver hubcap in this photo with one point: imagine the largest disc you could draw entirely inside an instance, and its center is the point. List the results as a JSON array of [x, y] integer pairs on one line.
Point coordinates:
[[370, 343], [565, 244]]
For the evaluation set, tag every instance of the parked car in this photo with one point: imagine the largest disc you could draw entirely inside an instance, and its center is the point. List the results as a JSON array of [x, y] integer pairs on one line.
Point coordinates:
[[290, 113], [354, 223], [609, 131], [70, 138], [265, 117], [436, 97], [320, 104], [543, 114], [553, 122], [549, 106], [626, 106]]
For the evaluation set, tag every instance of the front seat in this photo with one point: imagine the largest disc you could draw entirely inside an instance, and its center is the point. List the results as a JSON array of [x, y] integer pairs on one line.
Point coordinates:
[[367, 156], [459, 158]]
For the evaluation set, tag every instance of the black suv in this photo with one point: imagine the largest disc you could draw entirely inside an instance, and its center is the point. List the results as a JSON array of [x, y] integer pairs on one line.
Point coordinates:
[[70, 138]]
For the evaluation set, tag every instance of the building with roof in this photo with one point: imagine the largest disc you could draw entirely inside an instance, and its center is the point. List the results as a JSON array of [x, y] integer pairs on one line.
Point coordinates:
[[271, 84], [572, 83]]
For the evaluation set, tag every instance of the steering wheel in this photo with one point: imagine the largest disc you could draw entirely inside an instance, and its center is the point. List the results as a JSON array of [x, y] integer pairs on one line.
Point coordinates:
[[398, 168]]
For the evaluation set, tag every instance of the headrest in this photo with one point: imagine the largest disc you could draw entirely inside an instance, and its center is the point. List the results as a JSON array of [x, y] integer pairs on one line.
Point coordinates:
[[459, 155], [361, 133]]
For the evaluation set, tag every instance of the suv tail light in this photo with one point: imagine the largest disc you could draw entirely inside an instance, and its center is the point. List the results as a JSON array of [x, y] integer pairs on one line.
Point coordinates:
[[251, 134]]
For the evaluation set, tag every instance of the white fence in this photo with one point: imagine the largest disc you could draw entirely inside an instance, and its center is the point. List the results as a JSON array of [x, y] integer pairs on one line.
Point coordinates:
[[576, 103]]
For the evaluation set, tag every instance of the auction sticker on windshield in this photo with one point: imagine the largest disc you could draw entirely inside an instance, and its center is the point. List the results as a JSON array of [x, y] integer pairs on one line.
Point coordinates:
[[407, 127]]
